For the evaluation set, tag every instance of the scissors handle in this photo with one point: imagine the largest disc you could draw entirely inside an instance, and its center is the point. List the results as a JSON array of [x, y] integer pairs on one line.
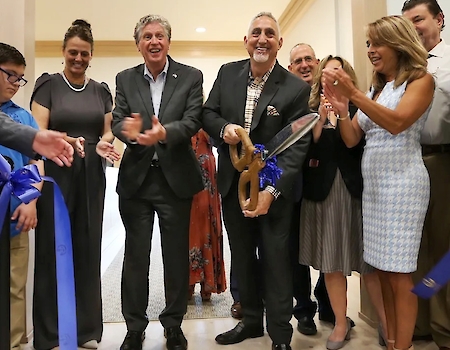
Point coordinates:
[[250, 175], [240, 163], [253, 163]]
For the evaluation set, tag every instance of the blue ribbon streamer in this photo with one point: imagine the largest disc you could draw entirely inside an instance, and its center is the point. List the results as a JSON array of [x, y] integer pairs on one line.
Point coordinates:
[[271, 172], [19, 183]]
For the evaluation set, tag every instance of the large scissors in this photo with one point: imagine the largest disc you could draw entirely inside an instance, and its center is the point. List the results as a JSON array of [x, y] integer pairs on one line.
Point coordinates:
[[249, 162]]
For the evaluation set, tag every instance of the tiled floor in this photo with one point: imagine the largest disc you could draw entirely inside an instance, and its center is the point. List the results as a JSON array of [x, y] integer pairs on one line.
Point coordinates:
[[201, 332]]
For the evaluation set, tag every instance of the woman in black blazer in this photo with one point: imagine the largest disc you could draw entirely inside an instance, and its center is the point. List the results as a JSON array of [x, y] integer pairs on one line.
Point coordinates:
[[331, 214]]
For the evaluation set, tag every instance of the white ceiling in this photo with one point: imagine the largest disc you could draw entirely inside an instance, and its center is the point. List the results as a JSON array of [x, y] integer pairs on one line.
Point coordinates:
[[115, 19]]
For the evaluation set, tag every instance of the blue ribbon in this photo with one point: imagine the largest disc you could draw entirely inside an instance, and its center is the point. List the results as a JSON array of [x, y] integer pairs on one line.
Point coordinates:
[[271, 172], [19, 183]]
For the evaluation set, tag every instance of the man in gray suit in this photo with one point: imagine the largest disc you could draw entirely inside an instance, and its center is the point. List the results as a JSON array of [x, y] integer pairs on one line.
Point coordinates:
[[157, 110], [29, 141]]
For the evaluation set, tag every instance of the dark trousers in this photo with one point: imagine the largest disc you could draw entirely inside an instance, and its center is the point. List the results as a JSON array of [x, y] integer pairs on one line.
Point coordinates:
[[272, 231], [137, 215], [434, 314], [302, 278], [4, 284]]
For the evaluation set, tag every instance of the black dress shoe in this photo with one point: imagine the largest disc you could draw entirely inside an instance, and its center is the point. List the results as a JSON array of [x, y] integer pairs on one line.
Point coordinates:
[[281, 347], [175, 339], [239, 333], [306, 326], [133, 341]]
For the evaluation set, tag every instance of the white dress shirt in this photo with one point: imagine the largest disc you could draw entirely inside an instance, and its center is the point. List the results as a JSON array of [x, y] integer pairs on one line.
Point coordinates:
[[437, 127]]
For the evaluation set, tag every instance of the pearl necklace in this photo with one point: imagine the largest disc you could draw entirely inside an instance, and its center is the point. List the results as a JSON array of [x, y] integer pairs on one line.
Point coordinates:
[[86, 80]]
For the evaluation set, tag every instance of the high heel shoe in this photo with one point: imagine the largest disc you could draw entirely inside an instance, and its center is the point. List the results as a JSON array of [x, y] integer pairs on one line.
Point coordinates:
[[335, 345]]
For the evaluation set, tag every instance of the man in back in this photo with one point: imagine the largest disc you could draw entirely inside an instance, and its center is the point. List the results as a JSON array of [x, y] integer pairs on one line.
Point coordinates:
[[434, 316]]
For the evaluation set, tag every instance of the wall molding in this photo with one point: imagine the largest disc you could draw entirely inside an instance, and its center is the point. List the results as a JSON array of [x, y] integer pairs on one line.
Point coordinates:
[[292, 14], [127, 48]]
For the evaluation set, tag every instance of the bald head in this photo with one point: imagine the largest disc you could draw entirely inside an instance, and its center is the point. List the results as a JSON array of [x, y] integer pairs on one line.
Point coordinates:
[[303, 62]]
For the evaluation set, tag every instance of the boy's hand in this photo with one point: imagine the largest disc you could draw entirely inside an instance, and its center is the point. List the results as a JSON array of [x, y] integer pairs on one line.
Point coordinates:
[[26, 216]]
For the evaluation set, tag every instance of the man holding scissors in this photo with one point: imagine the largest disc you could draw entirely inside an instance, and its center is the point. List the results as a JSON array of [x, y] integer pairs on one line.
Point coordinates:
[[260, 96]]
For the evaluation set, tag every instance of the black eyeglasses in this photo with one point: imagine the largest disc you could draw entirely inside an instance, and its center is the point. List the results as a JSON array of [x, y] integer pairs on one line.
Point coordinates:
[[12, 78]]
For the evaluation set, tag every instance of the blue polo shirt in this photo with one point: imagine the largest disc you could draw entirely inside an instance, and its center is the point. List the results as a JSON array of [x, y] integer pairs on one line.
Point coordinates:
[[19, 115]]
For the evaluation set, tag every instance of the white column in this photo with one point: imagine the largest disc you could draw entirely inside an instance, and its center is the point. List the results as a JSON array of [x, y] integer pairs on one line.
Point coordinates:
[[17, 28]]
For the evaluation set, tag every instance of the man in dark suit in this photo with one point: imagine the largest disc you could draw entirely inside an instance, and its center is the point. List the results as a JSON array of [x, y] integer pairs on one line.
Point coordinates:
[[31, 142], [260, 96], [159, 173], [433, 318]]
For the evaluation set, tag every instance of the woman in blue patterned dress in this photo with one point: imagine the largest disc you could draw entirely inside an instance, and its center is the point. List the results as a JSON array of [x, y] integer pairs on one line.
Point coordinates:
[[396, 184]]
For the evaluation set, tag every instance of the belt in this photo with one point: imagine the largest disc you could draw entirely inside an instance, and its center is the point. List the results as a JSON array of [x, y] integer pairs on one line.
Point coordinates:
[[154, 163], [429, 149]]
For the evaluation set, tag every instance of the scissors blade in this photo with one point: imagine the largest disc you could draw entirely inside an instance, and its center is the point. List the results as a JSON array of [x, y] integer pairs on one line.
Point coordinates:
[[290, 134]]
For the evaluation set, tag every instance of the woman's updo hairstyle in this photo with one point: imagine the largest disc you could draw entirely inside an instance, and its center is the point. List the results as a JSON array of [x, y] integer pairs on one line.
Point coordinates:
[[81, 29]]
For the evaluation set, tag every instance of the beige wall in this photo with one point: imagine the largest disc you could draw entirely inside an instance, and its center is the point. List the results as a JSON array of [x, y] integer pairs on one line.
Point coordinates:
[[315, 28], [115, 19]]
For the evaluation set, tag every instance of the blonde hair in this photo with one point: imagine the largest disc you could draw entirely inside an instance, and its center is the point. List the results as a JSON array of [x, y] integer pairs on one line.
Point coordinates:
[[398, 33], [316, 90]]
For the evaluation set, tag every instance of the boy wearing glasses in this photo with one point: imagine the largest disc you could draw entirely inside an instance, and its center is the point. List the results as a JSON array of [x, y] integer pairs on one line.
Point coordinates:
[[23, 216]]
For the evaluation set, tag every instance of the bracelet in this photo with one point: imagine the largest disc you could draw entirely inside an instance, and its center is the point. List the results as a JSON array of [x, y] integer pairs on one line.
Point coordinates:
[[338, 117]]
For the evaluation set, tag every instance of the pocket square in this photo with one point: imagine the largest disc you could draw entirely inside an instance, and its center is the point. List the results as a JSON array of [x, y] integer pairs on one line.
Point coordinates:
[[272, 111]]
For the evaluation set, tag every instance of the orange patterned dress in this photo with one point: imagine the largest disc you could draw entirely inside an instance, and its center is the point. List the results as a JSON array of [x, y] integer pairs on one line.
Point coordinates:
[[205, 233]]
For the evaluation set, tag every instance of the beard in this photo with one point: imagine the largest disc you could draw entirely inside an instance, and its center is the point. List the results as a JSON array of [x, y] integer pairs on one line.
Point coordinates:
[[260, 57]]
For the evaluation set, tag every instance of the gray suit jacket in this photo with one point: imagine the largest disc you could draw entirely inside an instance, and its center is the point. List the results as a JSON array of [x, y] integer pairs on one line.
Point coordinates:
[[180, 113], [17, 136]]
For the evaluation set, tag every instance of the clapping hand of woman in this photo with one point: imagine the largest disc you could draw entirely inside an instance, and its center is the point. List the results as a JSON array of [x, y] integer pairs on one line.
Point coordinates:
[[107, 150], [336, 81], [337, 88]]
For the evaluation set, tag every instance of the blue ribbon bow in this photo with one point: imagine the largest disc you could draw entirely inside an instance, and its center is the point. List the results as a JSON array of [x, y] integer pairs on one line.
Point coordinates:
[[19, 183], [271, 172]]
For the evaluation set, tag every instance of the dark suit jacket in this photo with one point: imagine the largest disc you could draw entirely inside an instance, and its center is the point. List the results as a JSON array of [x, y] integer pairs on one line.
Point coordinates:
[[331, 153], [17, 136], [226, 104], [180, 113]]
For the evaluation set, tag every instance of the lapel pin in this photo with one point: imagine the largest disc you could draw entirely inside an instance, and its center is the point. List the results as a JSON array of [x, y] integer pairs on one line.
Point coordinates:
[[175, 76]]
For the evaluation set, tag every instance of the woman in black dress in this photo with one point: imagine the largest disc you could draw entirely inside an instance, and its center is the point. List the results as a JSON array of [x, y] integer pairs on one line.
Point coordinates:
[[81, 107]]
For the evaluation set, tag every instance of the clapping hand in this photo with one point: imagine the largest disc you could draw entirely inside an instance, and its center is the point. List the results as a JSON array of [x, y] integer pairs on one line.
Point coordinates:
[[155, 134], [132, 126], [107, 150]]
